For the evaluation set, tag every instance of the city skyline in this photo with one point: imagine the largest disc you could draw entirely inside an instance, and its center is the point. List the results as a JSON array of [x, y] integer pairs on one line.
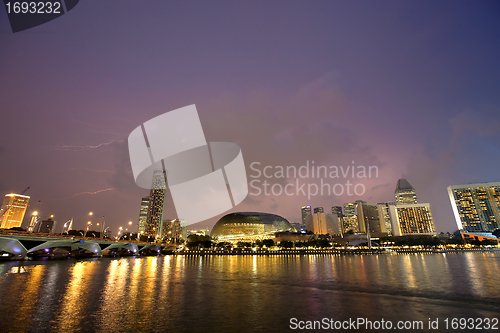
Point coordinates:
[[406, 87]]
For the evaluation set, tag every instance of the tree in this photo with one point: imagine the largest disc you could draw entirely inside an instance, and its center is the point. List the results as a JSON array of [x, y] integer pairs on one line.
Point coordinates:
[[496, 233], [268, 242], [197, 241], [17, 229], [286, 244]]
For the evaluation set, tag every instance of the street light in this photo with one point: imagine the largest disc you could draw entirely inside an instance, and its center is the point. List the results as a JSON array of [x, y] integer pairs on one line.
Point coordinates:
[[89, 224], [119, 232], [98, 223]]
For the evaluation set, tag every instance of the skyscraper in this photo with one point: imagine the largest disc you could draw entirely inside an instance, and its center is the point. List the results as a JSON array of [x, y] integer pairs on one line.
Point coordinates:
[[337, 214], [306, 211], [322, 224], [337, 210], [385, 215], [143, 215], [369, 218], [318, 210], [172, 230], [412, 219], [349, 209], [13, 210], [405, 193], [154, 219], [476, 206]]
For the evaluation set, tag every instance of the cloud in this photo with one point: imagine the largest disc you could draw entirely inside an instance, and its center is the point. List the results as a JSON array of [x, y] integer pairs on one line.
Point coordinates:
[[482, 123]]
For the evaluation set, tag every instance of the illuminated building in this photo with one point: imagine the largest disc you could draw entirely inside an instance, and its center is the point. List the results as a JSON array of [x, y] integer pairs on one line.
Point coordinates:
[[412, 219], [13, 210], [370, 219], [318, 210], [249, 226], [322, 224], [476, 206], [306, 211], [385, 215], [171, 229], [350, 223], [350, 208], [337, 210], [200, 232], [143, 215], [479, 236], [405, 193], [154, 219]]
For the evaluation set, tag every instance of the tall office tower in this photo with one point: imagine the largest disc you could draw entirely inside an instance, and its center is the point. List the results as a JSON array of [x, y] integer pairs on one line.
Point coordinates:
[[412, 219], [306, 211], [154, 219], [349, 209], [318, 210], [322, 224], [172, 229], [350, 224], [476, 206], [337, 210], [385, 215], [143, 215], [369, 218], [13, 210], [405, 193], [337, 213]]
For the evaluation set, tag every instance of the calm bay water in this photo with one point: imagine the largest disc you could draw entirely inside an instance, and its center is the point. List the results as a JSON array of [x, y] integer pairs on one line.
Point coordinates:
[[244, 293]]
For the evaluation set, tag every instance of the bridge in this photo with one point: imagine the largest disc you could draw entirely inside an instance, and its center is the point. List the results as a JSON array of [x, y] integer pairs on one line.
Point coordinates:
[[21, 247]]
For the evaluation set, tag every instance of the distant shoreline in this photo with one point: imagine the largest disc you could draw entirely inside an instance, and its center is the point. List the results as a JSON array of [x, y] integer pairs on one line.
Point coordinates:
[[335, 252]]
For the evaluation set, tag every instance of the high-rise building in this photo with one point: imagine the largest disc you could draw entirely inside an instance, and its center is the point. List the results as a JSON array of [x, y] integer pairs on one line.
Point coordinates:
[[154, 219], [322, 224], [385, 215], [337, 214], [337, 210], [171, 229], [405, 193], [412, 219], [476, 206], [318, 210], [350, 224], [306, 211], [13, 209], [370, 219], [143, 215], [349, 209]]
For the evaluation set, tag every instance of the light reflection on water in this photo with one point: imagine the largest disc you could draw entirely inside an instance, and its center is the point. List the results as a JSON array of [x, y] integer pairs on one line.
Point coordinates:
[[243, 293]]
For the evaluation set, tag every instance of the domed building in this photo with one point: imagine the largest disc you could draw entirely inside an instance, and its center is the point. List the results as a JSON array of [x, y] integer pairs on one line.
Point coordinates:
[[249, 225]]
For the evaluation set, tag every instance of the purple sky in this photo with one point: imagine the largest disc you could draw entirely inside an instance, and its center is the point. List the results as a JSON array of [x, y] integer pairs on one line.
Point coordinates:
[[410, 87]]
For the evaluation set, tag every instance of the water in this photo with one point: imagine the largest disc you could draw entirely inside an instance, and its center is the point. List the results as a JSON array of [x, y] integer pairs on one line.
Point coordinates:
[[245, 293]]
